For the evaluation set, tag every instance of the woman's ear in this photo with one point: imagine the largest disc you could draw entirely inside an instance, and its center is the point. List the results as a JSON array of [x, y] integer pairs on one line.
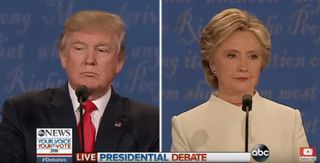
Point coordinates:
[[213, 70]]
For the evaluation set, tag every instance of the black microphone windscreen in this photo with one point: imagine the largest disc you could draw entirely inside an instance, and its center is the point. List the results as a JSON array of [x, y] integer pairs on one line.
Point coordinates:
[[82, 93], [246, 102]]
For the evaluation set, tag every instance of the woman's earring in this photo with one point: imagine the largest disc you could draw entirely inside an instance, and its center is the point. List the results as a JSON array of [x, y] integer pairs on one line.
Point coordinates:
[[213, 70]]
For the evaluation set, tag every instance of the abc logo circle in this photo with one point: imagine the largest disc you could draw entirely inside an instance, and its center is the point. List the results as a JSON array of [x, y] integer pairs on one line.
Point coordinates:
[[260, 152], [41, 132]]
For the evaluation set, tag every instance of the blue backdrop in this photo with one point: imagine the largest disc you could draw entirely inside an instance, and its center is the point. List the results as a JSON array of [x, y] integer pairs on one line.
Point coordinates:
[[29, 33], [292, 77]]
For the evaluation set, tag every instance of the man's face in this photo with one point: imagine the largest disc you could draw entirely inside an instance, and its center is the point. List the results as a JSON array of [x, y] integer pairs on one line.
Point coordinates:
[[91, 59]]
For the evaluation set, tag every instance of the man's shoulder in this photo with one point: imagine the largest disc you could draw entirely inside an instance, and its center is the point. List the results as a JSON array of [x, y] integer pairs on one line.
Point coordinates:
[[138, 107], [138, 111], [34, 97], [141, 105]]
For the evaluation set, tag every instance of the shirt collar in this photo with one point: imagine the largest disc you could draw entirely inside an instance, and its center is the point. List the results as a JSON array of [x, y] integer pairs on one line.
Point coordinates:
[[256, 98], [101, 102]]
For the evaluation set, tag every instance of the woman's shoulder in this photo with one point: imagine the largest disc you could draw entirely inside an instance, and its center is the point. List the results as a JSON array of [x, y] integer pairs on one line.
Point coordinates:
[[277, 108], [196, 111]]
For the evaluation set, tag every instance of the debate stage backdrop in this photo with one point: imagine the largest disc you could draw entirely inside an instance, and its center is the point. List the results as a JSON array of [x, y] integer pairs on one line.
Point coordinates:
[[29, 32], [292, 77], [29, 55]]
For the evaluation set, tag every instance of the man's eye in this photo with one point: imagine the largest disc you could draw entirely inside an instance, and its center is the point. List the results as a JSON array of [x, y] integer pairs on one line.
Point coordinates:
[[102, 50], [78, 48]]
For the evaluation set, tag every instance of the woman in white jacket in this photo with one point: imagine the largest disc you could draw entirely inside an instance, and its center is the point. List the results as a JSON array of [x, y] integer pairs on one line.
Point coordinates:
[[235, 47]]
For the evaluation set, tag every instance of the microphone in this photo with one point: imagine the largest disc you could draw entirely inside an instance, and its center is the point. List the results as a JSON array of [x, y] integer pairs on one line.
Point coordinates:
[[246, 102], [246, 106], [82, 95]]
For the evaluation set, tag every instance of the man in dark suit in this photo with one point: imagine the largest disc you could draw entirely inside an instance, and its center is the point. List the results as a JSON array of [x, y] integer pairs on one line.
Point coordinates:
[[92, 53]]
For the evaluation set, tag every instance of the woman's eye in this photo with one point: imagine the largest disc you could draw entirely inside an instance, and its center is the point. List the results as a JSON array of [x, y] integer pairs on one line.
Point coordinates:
[[231, 55], [253, 56]]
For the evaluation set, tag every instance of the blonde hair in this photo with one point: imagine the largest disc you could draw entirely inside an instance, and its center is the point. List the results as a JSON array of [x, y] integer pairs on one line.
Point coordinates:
[[91, 20], [222, 26]]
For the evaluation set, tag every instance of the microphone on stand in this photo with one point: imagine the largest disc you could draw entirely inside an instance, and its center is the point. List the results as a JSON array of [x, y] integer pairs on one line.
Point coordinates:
[[246, 107], [82, 95]]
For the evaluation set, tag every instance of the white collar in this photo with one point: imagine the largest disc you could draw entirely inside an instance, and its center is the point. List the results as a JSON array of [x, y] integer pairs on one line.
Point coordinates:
[[256, 98], [101, 102]]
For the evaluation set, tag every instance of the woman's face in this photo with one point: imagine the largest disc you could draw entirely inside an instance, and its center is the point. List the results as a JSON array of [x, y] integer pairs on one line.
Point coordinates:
[[238, 62]]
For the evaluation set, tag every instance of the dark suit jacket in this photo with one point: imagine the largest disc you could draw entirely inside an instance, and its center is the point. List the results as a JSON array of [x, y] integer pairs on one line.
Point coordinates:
[[52, 108]]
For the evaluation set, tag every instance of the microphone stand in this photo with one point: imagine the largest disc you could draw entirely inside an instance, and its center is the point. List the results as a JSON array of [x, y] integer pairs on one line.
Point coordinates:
[[82, 95], [81, 124], [247, 129], [246, 106]]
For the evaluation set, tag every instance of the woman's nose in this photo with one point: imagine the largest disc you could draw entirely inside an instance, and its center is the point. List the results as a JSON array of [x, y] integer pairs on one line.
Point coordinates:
[[243, 65]]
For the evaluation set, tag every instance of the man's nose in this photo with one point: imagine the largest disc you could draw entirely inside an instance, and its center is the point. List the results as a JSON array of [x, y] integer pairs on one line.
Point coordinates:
[[90, 57]]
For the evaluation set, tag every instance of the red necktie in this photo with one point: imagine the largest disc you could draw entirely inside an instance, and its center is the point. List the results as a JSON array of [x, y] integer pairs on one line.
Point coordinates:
[[88, 127]]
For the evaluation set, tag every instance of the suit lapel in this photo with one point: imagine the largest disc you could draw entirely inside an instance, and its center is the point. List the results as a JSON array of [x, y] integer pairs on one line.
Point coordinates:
[[63, 114], [112, 125]]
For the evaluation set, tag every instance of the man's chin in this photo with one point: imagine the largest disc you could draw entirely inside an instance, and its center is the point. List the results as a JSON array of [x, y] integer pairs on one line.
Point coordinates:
[[92, 87]]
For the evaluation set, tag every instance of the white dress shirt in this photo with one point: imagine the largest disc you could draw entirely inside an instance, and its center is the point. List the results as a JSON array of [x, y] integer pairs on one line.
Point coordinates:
[[96, 115]]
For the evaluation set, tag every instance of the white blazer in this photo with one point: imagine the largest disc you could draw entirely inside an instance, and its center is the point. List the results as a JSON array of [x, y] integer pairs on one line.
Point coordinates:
[[218, 126]]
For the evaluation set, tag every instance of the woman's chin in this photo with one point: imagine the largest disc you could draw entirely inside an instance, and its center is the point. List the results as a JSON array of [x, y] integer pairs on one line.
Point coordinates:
[[245, 90]]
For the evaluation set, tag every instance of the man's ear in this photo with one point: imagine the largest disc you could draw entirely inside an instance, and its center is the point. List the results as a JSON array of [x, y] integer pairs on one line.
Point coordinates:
[[121, 60], [119, 66], [63, 59]]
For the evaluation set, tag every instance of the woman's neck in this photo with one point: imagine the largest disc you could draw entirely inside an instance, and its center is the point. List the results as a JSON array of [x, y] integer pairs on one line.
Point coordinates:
[[233, 98]]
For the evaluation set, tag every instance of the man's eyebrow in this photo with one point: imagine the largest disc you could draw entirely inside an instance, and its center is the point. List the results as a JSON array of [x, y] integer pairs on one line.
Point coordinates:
[[77, 42], [104, 44]]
